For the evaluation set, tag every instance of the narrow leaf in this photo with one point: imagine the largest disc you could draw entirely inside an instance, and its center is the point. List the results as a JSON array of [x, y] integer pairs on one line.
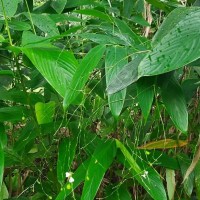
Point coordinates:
[[164, 144], [171, 184], [95, 13], [128, 6], [66, 153], [3, 143], [193, 164], [144, 174], [197, 179], [79, 176], [116, 58], [184, 162], [101, 160], [145, 94], [89, 62], [175, 104]]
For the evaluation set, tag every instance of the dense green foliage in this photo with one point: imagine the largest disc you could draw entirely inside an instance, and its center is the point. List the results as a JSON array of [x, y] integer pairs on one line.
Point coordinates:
[[99, 99]]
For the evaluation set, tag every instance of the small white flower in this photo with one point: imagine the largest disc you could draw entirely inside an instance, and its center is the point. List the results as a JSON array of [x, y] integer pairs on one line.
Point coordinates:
[[145, 174], [71, 179], [68, 174]]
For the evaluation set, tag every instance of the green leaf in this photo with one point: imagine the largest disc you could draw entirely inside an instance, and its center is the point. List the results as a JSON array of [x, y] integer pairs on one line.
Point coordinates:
[[101, 38], [169, 22], [118, 192], [3, 136], [161, 158], [9, 6], [89, 62], [189, 86], [2, 39], [45, 24], [6, 72], [75, 3], [58, 5], [45, 112], [101, 160], [174, 102], [66, 153], [12, 114], [145, 175], [95, 13], [19, 25], [4, 192], [116, 58], [182, 38], [171, 184], [132, 38], [27, 135], [78, 176], [57, 66], [197, 179], [184, 163], [145, 94], [31, 40], [140, 20], [127, 75], [3, 141], [128, 6]]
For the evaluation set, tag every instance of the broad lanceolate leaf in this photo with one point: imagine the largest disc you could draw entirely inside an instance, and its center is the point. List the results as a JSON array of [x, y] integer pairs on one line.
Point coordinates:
[[125, 76], [45, 24], [176, 48], [129, 34], [10, 7], [116, 58], [128, 6], [58, 5], [144, 174], [99, 163], [145, 94], [45, 112], [19, 25], [89, 62], [171, 49], [57, 66], [66, 153], [174, 102]]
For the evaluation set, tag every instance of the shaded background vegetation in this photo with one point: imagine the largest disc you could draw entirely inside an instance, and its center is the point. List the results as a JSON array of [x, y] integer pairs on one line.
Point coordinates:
[[105, 90]]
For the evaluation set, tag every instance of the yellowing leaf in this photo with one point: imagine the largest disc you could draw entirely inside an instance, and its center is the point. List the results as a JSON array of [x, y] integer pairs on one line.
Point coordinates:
[[164, 144]]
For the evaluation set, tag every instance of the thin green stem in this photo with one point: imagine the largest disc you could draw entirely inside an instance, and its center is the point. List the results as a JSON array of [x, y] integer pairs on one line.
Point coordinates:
[[31, 19], [6, 21]]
